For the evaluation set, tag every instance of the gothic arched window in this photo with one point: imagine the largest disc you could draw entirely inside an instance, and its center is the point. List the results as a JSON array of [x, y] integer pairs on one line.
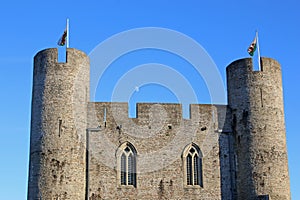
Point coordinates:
[[192, 164], [127, 164]]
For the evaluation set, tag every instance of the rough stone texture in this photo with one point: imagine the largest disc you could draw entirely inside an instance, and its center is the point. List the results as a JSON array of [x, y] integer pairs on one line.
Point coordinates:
[[256, 101], [75, 143], [159, 151], [58, 126]]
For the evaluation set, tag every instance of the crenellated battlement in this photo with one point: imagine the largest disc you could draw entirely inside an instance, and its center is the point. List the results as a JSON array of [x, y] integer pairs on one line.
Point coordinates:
[[270, 65], [116, 113], [245, 66], [50, 55], [146, 110]]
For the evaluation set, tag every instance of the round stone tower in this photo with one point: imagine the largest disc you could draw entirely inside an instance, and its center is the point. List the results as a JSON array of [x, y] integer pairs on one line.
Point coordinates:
[[58, 126], [256, 102]]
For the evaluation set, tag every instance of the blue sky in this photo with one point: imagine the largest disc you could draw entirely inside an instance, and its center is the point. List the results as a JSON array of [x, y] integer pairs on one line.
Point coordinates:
[[223, 28]]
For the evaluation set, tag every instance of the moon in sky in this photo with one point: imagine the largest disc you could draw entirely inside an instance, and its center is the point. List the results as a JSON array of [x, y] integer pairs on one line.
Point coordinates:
[[136, 88]]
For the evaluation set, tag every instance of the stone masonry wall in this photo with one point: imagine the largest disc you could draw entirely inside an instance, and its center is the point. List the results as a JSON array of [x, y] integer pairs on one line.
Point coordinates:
[[160, 135], [58, 126], [256, 101]]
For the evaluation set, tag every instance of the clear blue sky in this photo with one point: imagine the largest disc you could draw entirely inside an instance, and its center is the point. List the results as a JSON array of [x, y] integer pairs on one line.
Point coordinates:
[[223, 28]]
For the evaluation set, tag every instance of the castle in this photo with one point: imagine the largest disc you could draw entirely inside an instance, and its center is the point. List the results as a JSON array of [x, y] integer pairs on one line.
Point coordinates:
[[93, 150]]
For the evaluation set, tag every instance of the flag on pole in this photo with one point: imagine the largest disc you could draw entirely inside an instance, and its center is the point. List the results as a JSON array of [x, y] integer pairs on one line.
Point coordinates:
[[252, 47], [63, 38]]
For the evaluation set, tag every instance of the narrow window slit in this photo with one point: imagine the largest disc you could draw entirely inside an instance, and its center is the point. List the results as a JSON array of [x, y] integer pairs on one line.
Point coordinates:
[[104, 114], [261, 98], [59, 127]]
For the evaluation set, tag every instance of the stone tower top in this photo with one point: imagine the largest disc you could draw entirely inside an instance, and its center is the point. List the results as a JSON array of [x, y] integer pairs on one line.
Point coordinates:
[[246, 65], [51, 55]]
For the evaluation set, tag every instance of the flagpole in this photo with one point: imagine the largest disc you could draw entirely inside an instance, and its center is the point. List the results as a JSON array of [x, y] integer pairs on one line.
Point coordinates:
[[68, 33], [258, 52]]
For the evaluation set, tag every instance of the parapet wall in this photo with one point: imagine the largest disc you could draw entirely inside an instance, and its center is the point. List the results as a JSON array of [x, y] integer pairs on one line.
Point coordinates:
[[246, 65], [169, 113]]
